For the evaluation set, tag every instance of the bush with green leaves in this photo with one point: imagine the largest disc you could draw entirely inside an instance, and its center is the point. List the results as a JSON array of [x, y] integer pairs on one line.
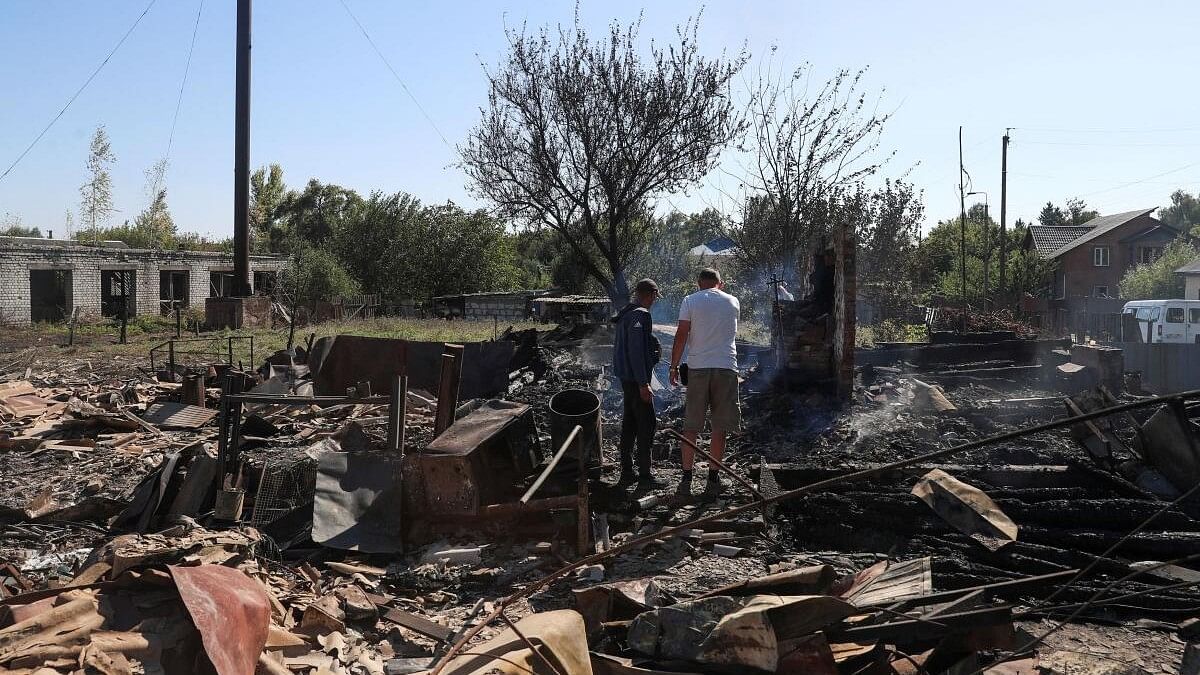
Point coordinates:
[[314, 274], [1158, 280]]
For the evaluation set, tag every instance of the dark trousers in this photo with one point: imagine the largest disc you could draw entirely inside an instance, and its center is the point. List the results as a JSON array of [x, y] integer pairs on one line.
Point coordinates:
[[636, 426]]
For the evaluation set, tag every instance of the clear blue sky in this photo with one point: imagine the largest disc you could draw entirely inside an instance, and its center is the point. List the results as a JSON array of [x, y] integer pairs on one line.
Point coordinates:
[[1101, 95]]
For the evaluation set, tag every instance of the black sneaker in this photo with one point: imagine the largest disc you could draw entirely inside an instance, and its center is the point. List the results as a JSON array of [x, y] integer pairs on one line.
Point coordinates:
[[714, 485], [649, 482], [684, 489]]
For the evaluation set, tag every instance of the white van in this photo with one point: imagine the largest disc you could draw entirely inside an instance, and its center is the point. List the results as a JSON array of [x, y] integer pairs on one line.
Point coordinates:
[[1161, 321]]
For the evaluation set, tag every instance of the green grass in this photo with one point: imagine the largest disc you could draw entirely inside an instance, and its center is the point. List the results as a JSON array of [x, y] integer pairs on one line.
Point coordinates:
[[754, 332], [889, 330], [98, 340]]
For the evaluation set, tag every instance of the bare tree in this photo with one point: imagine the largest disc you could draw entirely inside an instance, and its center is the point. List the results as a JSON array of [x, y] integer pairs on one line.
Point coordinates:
[[803, 147], [96, 203], [579, 135]]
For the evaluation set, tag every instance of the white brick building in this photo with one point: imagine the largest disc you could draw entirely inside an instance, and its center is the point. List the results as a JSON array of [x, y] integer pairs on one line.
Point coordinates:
[[46, 279]]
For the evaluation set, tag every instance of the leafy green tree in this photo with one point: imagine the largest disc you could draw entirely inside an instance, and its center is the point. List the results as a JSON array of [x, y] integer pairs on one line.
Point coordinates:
[[1158, 280], [1183, 213], [465, 252], [395, 246], [1078, 213], [1075, 213], [96, 203], [155, 225], [937, 261], [315, 213], [665, 256], [887, 247], [374, 239], [579, 134], [1052, 216], [267, 193], [314, 273]]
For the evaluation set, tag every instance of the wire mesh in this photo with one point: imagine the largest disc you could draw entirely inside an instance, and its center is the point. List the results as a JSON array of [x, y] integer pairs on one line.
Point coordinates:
[[287, 483]]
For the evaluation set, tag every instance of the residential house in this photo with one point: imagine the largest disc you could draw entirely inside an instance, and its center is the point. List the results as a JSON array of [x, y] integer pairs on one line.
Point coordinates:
[[1191, 279], [717, 253], [1084, 294]]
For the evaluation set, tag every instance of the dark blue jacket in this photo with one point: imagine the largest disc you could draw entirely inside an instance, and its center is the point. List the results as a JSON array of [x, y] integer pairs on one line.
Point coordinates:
[[636, 350]]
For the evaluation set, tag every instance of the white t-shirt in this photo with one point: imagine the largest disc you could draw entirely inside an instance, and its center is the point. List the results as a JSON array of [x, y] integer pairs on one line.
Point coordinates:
[[714, 316]]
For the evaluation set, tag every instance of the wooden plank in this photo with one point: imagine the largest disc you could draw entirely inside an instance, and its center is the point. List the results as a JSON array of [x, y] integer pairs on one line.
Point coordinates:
[[178, 416], [448, 387], [418, 624]]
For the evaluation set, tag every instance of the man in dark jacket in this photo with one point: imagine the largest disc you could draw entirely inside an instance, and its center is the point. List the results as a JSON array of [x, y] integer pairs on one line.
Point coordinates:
[[635, 352]]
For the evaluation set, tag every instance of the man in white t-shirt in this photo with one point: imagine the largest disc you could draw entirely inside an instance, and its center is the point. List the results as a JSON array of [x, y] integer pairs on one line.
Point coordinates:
[[708, 328]]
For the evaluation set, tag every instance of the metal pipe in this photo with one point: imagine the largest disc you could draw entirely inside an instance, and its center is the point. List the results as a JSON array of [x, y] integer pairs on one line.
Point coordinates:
[[552, 465], [241, 156]]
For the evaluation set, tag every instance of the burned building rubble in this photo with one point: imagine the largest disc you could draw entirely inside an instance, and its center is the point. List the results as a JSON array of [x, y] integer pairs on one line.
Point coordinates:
[[370, 505]]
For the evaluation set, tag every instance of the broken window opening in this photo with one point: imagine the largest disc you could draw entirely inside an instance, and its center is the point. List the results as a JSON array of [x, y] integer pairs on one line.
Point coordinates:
[[220, 284], [264, 283], [49, 295], [117, 293], [172, 290]]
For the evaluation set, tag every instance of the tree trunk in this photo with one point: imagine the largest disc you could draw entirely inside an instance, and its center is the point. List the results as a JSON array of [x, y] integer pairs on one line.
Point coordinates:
[[618, 289]]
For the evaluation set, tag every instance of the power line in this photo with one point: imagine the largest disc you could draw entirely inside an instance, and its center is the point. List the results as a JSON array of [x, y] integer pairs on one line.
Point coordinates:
[[187, 67], [1094, 130], [1106, 181], [394, 73], [1142, 180], [1112, 145], [78, 92]]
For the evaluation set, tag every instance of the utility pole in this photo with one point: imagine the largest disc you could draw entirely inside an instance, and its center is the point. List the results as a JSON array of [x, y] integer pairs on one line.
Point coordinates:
[[1003, 209], [241, 156], [962, 204]]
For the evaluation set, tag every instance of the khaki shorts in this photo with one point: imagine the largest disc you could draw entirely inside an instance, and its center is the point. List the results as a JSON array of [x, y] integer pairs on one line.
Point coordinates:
[[715, 388]]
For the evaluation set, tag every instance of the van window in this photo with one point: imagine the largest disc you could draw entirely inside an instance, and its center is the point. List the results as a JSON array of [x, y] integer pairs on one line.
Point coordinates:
[[1194, 315], [1174, 315], [1146, 313]]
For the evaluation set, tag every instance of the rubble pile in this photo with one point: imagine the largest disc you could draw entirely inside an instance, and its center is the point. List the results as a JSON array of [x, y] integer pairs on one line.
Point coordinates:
[[979, 321], [378, 520]]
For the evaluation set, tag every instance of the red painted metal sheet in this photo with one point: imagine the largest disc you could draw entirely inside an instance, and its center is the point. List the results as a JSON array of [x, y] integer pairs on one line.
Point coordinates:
[[231, 611]]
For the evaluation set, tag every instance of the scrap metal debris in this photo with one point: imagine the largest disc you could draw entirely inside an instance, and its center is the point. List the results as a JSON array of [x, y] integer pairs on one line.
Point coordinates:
[[324, 529]]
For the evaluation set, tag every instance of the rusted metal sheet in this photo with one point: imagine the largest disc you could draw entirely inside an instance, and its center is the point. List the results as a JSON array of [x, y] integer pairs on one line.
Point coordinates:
[[18, 399], [231, 611], [888, 582], [477, 461], [343, 361]]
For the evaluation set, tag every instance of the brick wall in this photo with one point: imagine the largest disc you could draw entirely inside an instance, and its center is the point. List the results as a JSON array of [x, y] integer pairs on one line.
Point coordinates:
[[503, 308], [86, 263]]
